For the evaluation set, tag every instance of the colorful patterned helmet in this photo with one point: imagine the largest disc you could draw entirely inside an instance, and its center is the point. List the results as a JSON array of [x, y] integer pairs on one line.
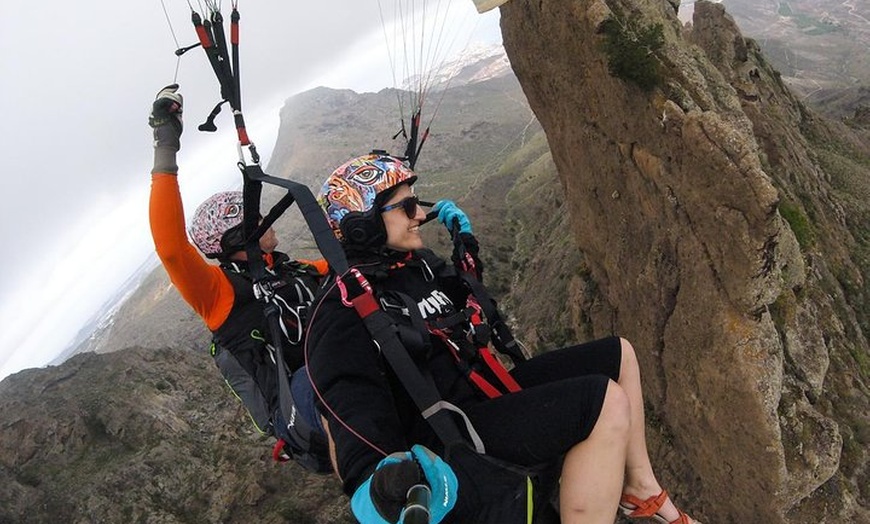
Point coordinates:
[[354, 192], [213, 218]]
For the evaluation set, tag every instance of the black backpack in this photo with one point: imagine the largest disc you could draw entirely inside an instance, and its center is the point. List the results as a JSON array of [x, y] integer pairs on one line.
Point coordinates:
[[250, 364]]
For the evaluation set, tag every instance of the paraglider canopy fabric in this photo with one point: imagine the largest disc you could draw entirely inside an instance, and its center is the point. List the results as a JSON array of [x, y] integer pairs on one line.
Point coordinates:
[[485, 5]]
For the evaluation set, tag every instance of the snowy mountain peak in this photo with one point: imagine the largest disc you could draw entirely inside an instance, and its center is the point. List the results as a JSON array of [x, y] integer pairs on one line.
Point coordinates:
[[476, 64]]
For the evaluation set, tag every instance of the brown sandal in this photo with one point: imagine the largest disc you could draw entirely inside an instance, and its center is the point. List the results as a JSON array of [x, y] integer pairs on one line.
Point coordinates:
[[635, 508]]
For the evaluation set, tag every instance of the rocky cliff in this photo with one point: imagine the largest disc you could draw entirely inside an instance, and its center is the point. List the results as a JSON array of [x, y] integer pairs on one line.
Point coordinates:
[[147, 436], [724, 230]]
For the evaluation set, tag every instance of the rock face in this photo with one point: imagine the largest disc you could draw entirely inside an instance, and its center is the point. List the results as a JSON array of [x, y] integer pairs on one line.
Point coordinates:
[[722, 228], [144, 435]]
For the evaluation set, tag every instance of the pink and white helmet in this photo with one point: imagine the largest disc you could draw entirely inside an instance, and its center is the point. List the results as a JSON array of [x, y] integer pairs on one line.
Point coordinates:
[[213, 218]]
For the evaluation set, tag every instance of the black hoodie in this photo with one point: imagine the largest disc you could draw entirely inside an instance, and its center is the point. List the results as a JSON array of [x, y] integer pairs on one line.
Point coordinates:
[[368, 410]]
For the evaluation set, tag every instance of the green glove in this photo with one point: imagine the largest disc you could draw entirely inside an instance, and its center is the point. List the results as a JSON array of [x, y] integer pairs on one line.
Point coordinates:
[[165, 120]]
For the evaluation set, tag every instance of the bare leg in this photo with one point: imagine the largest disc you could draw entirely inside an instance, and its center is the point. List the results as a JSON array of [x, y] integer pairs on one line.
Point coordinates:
[[593, 471], [333, 458], [640, 480]]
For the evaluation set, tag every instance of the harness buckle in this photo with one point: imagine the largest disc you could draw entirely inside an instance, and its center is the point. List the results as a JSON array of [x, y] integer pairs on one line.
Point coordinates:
[[386, 305], [346, 300], [428, 275], [264, 291], [480, 334]]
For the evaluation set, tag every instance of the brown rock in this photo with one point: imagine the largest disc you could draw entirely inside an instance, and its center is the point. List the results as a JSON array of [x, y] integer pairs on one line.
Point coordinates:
[[675, 198]]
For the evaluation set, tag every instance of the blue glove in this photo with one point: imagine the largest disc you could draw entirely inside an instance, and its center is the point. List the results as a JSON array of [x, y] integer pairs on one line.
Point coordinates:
[[381, 498], [449, 214]]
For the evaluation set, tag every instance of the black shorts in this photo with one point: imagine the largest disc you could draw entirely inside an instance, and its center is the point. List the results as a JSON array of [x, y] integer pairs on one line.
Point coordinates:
[[563, 391]]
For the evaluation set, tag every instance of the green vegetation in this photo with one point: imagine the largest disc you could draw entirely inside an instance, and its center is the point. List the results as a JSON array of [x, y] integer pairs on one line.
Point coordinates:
[[812, 26], [848, 166], [631, 51], [798, 222], [862, 359]]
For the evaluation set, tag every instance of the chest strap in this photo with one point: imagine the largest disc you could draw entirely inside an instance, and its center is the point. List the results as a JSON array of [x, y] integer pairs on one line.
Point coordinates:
[[356, 292], [472, 355]]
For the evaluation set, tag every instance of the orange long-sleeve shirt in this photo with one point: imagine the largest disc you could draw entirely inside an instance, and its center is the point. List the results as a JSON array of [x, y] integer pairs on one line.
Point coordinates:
[[202, 285]]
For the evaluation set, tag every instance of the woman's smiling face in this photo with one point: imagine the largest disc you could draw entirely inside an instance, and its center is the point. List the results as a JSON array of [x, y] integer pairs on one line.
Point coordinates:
[[403, 233]]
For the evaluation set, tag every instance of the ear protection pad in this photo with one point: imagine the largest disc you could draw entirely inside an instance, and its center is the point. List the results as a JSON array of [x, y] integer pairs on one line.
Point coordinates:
[[363, 229], [233, 239]]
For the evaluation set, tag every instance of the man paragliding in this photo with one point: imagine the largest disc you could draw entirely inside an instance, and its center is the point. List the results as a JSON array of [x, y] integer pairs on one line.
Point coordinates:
[[222, 295]]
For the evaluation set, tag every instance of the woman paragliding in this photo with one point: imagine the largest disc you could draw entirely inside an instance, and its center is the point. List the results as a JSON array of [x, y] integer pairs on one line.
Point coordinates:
[[578, 410]]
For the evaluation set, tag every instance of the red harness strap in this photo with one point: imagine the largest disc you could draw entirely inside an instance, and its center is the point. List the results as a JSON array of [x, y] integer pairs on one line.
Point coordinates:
[[489, 359], [364, 303], [496, 367], [485, 386], [278, 454]]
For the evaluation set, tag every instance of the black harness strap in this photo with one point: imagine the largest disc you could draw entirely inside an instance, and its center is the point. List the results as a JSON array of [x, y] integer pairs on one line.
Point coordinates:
[[297, 193], [502, 338], [330, 248], [357, 293]]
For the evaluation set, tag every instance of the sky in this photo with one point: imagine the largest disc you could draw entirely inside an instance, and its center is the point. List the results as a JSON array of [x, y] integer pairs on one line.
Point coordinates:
[[77, 81]]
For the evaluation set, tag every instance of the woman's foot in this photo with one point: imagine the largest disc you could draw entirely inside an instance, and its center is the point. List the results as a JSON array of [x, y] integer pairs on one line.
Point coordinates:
[[657, 507]]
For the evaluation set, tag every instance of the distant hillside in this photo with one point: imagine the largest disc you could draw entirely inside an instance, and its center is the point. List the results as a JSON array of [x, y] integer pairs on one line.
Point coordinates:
[[144, 435], [820, 47], [851, 105]]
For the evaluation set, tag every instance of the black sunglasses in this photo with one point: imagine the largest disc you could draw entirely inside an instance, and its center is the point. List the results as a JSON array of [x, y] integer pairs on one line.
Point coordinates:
[[409, 205]]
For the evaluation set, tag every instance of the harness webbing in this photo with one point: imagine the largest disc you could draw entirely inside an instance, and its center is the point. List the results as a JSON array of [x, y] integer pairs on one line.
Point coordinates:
[[502, 339], [357, 291], [495, 366], [465, 357], [297, 193], [213, 40], [327, 243], [464, 333]]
